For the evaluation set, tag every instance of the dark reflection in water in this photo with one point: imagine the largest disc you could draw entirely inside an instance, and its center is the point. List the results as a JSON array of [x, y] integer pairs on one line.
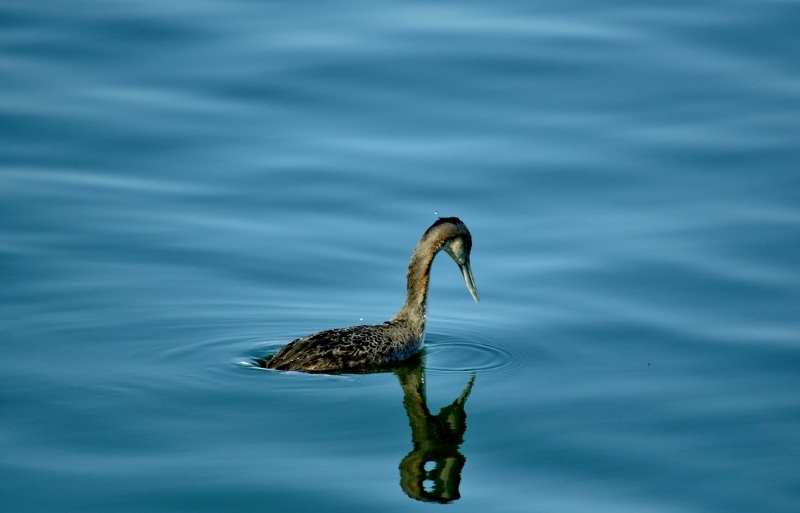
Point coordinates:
[[436, 438]]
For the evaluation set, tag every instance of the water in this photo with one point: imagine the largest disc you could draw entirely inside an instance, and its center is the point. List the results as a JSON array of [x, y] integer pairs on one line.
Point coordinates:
[[186, 186]]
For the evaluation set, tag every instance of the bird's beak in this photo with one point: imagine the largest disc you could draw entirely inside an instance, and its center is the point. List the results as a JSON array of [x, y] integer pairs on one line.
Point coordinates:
[[466, 271]]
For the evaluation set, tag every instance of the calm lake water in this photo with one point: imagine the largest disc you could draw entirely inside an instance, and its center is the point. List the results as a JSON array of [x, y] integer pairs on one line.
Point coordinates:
[[187, 186]]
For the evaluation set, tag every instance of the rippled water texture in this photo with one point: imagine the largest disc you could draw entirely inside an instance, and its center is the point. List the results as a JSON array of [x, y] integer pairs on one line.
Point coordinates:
[[187, 186]]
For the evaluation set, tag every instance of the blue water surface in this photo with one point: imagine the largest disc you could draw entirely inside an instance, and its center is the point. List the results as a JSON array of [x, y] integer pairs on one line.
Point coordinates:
[[187, 186]]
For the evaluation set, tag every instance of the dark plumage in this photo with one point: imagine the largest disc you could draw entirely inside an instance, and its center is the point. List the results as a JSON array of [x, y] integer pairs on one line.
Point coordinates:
[[358, 347]]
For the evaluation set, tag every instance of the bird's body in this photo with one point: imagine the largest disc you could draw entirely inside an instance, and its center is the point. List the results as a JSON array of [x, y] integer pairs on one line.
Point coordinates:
[[357, 347]]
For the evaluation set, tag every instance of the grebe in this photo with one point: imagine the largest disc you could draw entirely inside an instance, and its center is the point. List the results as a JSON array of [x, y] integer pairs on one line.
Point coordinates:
[[396, 339]]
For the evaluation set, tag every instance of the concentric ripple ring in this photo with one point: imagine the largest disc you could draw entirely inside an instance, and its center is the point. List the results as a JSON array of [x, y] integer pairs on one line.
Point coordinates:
[[447, 353]]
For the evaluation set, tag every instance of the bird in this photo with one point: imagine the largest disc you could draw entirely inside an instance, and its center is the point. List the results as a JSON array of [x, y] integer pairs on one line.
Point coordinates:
[[359, 347]]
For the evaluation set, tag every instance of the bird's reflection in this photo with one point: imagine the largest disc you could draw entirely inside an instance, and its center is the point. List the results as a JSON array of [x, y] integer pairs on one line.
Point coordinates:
[[436, 440]]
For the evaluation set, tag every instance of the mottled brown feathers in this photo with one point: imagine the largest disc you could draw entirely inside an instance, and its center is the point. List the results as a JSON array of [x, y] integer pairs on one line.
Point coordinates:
[[346, 348]]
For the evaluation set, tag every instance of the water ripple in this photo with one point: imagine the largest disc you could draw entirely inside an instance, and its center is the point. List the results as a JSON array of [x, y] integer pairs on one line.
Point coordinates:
[[450, 353], [455, 353]]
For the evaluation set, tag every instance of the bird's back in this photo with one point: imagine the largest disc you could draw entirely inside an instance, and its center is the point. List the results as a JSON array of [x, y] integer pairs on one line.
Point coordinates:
[[347, 348]]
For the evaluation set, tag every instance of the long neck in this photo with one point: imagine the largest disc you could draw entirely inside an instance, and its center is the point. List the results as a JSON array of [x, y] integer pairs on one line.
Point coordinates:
[[418, 276]]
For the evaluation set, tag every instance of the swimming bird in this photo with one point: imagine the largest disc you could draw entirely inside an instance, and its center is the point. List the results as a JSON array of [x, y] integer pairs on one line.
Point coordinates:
[[401, 336]]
